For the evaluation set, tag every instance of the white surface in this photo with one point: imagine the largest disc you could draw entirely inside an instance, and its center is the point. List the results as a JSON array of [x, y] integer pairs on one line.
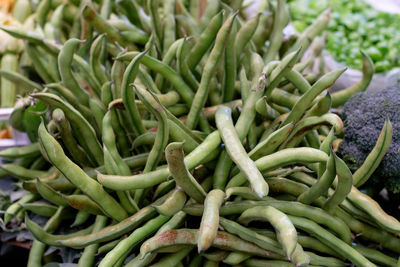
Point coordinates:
[[390, 6], [5, 113]]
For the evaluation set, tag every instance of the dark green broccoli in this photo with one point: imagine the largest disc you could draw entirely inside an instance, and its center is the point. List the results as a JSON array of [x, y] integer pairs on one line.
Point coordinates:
[[364, 115]]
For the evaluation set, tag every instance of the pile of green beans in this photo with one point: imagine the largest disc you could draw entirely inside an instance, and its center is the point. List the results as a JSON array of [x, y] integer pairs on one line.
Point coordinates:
[[176, 133]]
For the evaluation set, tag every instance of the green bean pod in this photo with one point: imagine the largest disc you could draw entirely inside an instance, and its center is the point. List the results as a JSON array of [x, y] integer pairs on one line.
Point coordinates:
[[168, 57], [169, 23], [216, 255], [54, 26], [77, 153], [245, 34], [235, 258], [332, 241], [298, 80], [38, 248], [237, 152], [274, 140], [78, 177], [223, 240], [14, 208], [113, 161], [242, 127], [321, 107], [344, 184], [376, 256], [282, 158], [249, 235], [19, 80], [21, 172], [173, 204], [86, 237], [305, 100], [176, 221], [38, 58], [98, 112], [166, 71], [102, 26], [201, 95], [279, 71], [376, 155], [155, 107], [83, 126], [178, 169], [64, 92], [133, 239], [305, 39], [253, 262], [263, 29], [65, 59], [309, 123], [322, 185], [88, 256], [157, 24], [21, 10], [181, 55], [211, 9], [174, 259], [301, 258], [41, 209], [372, 208], [95, 62], [210, 219], [128, 94], [50, 194], [147, 138], [286, 233], [84, 203], [80, 218], [340, 97], [31, 150], [281, 17], [243, 192], [316, 245], [384, 238], [230, 63]]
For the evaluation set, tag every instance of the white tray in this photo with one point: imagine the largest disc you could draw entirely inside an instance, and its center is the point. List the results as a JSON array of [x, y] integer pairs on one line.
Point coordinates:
[[390, 6]]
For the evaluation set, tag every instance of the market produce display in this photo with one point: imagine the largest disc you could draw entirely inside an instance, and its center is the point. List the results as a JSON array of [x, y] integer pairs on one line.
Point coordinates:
[[354, 25], [367, 111], [181, 133]]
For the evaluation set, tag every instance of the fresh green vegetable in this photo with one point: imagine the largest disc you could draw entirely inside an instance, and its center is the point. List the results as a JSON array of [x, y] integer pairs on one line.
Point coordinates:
[[354, 25], [219, 133]]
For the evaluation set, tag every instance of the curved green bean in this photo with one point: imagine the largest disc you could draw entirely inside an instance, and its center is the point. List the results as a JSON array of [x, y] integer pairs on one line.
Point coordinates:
[[210, 219], [340, 97], [238, 153], [376, 155], [285, 231], [201, 95], [78, 177], [65, 59], [205, 151], [282, 158], [344, 184]]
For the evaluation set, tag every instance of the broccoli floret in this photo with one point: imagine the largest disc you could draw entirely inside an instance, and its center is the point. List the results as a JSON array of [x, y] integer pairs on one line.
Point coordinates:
[[364, 115]]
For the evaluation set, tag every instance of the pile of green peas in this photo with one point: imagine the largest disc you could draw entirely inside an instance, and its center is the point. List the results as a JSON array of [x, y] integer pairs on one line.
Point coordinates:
[[354, 25], [173, 133]]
